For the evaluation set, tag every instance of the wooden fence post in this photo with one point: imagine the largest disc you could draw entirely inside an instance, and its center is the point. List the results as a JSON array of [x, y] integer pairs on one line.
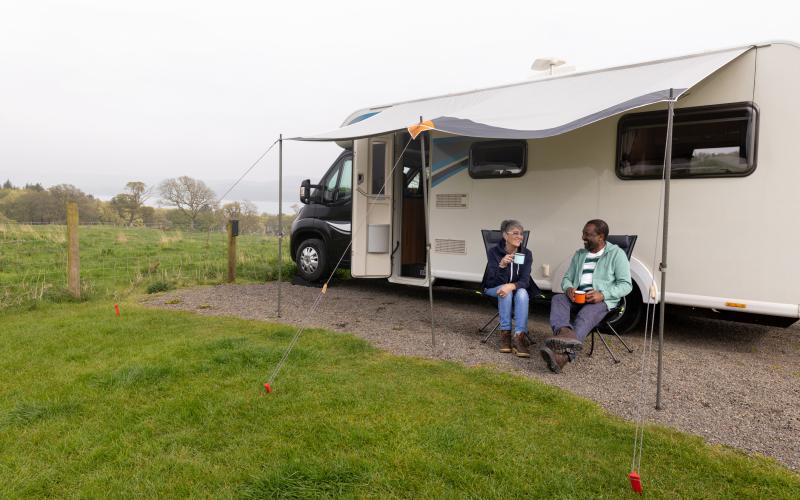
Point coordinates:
[[233, 232], [73, 251]]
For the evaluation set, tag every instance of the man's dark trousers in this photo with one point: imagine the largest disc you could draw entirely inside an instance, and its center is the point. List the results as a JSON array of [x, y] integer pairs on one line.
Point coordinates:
[[587, 316]]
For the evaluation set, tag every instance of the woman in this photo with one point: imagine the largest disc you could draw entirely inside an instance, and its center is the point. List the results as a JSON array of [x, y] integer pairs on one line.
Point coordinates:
[[509, 282]]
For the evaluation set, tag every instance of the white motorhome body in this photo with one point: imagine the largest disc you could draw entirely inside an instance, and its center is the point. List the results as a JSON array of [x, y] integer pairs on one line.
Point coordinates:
[[732, 241]]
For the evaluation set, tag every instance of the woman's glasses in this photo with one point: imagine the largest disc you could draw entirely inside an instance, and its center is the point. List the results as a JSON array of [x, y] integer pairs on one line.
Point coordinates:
[[514, 233]]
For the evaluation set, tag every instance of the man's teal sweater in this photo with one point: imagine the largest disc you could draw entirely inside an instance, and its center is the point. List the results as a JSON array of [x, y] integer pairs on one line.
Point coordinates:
[[612, 276]]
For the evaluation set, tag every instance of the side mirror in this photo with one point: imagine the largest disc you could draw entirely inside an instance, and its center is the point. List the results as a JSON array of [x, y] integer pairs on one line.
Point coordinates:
[[305, 191]]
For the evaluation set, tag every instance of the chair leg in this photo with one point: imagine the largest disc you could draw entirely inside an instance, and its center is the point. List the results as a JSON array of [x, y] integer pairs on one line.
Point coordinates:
[[483, 329], [608, 348], [591, 349], [486, 338], [619, 338]]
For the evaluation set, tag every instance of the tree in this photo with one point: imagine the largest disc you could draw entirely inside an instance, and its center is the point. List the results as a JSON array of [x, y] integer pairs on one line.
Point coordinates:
[[130, 205], [8, 185], [247, 215], [189, 196]]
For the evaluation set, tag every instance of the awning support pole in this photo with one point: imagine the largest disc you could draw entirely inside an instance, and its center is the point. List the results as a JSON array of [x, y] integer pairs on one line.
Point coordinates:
[[280, 219], [428, 273], [663, 266]]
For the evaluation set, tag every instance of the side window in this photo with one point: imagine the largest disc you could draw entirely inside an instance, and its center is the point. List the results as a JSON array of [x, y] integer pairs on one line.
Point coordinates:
[[411, 180], [329, 184], [378, 168], [710, 141], [493, 159], [346, 180]]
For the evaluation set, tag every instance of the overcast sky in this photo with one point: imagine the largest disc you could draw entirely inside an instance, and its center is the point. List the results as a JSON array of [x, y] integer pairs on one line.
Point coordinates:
[[97, 93]]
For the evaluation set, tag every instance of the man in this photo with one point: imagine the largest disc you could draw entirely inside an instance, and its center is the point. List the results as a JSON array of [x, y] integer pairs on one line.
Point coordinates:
[[601, 272]]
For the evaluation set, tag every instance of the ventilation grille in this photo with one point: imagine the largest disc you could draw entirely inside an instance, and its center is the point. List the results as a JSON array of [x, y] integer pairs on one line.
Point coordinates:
[[451, 201], [450, 246]]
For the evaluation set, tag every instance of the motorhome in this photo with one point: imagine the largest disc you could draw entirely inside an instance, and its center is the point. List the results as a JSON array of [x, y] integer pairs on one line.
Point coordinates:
[[567, 148]]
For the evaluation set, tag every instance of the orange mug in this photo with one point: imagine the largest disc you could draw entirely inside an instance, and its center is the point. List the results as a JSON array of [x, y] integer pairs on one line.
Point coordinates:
[[580, 297]]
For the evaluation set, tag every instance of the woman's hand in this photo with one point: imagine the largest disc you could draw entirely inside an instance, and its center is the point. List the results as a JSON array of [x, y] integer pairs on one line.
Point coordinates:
[[505, 261], [506, 289]]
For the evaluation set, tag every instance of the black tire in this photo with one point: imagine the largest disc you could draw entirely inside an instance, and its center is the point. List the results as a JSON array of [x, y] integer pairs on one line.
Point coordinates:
[[311, 259], [631, 314]]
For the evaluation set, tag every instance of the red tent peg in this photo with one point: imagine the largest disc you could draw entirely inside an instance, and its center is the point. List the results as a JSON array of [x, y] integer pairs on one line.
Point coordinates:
[[116, 309], [267, 387], [636, 482]]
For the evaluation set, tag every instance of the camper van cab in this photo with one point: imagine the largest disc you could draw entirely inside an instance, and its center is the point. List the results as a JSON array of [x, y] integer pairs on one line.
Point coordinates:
[[321, 231], [732, 239]]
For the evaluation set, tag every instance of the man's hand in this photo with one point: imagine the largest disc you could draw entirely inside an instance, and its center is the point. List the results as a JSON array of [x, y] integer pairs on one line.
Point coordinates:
[[594, 297], [505, 261], [571, 294], [506, 289]]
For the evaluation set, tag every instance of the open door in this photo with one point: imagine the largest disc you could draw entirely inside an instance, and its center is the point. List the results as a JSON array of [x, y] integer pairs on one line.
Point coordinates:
[[372, 208]]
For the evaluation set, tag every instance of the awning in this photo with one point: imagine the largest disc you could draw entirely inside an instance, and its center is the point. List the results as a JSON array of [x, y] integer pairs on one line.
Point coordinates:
[[541, 108]]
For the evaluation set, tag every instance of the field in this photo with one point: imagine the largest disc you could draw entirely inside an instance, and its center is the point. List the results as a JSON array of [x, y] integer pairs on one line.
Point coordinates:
[[158, 403], [118, 260]]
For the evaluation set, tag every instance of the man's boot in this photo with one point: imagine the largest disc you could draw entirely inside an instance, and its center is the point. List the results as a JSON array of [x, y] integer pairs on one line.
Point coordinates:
[[505, 341], [565, 338], [555, 360], [520, 346]]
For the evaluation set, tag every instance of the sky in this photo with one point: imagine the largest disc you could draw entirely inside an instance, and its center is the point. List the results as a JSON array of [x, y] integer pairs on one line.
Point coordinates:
[[98, 93]]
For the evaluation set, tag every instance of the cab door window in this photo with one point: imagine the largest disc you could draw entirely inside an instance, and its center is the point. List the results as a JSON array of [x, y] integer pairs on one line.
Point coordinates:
[[329, 184], [337, 186], [345, 190]]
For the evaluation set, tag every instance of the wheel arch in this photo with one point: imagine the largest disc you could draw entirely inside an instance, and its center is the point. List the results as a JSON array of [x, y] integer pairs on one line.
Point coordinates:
[[304, 234]]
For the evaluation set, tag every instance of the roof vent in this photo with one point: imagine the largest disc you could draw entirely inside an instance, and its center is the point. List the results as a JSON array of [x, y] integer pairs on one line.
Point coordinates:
[[547, 66]]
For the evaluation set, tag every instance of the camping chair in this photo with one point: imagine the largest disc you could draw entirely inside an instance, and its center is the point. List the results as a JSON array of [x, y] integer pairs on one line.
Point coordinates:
[[626, 243], [490, 238]]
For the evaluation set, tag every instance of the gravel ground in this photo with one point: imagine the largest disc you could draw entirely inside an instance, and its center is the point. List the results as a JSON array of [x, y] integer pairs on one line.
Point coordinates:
[[733, 384]]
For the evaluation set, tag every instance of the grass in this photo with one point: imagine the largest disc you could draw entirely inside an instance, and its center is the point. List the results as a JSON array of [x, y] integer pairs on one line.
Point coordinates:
[[164, 404], [118, 260]]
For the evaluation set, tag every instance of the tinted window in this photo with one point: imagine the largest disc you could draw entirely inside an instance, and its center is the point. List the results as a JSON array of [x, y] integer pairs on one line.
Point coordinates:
[[378, 170], [714, 141], [329, 183], [497, 159], [346, 180]]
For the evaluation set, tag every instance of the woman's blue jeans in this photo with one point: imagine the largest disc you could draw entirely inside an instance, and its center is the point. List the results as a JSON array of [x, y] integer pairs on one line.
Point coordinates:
[[519, 300]]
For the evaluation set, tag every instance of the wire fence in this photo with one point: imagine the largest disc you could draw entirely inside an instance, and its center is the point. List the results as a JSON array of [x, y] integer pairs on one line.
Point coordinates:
[[116, 260]]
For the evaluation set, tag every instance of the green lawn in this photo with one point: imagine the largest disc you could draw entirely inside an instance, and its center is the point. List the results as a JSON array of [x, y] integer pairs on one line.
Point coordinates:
[[164, 404], [117, 260]]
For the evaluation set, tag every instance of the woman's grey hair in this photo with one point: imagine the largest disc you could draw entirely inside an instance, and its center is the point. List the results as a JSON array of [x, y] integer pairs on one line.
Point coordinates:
[[508, 225]]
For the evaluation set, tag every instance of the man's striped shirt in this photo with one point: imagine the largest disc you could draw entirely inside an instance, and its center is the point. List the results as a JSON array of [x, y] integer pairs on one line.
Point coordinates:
[[588, 269]]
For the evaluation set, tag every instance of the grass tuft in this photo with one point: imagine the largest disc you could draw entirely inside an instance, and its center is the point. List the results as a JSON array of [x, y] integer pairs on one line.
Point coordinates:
[[134, 377], [307, 480], [31, 412]]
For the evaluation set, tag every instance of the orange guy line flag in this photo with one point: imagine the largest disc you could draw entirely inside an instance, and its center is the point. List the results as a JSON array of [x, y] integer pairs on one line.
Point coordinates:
[[419, 128]]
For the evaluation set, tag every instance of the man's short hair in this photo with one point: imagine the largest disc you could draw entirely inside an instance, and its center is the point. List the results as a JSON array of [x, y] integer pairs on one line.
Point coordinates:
[[600, 226]]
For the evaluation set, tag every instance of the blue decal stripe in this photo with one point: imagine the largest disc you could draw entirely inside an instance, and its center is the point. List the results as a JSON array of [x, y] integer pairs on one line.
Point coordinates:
[[363, 117], [448, 162], [446, 174]]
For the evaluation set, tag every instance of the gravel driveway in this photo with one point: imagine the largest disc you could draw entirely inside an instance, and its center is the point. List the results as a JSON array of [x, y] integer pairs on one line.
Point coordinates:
[[733, 384]]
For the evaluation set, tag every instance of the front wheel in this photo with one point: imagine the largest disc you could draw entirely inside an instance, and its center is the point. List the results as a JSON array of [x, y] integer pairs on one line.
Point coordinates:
[[311, 259], [630, 315]]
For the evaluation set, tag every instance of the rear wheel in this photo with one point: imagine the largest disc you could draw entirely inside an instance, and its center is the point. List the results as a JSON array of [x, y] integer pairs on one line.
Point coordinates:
[[311, 259], [630, 315]]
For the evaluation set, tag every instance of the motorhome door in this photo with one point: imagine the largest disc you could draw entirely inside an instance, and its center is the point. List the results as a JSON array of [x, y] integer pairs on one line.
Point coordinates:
[[372, 208]]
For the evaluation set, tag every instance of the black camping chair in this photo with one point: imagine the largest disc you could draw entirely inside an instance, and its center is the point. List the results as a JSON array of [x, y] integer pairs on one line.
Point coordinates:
[[626, 243], [490, 239]]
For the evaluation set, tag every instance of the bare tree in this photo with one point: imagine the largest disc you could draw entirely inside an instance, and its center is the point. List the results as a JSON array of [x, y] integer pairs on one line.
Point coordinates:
[[189, 196]]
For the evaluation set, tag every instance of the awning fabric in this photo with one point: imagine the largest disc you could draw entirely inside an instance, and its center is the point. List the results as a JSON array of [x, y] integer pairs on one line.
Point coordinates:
[[541, 108]]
